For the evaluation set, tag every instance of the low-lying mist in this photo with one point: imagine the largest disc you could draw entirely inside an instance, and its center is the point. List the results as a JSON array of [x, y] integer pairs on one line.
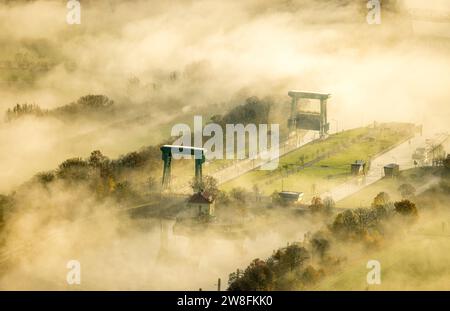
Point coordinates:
[[162, 63], [51, 226], [166, 60]]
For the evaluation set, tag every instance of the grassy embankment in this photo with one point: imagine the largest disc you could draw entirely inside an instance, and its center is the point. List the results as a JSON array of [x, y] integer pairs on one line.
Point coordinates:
[[416, 259], [419, 178], [321, 165]]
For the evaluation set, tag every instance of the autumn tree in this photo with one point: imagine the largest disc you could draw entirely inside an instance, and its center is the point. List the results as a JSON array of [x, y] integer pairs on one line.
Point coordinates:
[[254, 110], [345, 224], [294, 256], [208, 184], [45, 177], [406, 208], [316, 205], [73, 169], [257, 277], [96, 159], [381, 199]]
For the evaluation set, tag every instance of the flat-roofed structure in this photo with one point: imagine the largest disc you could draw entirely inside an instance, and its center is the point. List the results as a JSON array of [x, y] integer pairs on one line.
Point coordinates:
[[309, 120], [291, 196], [391, 170]]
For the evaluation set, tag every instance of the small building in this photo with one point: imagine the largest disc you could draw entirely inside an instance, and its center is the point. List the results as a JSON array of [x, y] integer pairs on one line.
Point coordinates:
[[391, 170], [202, 204], [290, 196], [358, 168]]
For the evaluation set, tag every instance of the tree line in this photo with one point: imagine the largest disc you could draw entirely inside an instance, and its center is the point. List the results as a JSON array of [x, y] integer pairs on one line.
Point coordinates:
[[85, 106], [303, 264]]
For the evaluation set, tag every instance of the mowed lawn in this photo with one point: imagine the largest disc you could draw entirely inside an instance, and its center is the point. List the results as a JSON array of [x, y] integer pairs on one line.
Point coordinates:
[[336, 153]]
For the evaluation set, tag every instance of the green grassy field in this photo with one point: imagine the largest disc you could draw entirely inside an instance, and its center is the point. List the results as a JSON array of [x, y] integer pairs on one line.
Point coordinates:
[[333, 157]]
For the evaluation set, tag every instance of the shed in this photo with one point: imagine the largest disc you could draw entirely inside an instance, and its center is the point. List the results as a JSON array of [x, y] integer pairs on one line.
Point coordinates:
[[291, 196], [358, 167], [391, 170]]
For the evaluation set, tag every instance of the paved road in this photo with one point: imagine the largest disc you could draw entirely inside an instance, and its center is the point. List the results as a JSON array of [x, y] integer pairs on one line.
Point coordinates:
[[401, 155]]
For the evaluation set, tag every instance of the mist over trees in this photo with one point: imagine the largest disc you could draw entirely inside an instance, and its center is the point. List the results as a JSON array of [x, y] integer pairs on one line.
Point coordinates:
[[83, 99], [122, 179], [89, 106], [303, 264], [254, 111]]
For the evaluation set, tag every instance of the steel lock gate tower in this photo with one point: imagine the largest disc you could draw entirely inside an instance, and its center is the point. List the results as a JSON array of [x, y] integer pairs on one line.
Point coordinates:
[[167, 153], [309, 120]]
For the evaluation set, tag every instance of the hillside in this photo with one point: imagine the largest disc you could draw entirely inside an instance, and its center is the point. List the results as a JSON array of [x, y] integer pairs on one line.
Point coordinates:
[[421, 178], [407, 237], [415, 259]]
